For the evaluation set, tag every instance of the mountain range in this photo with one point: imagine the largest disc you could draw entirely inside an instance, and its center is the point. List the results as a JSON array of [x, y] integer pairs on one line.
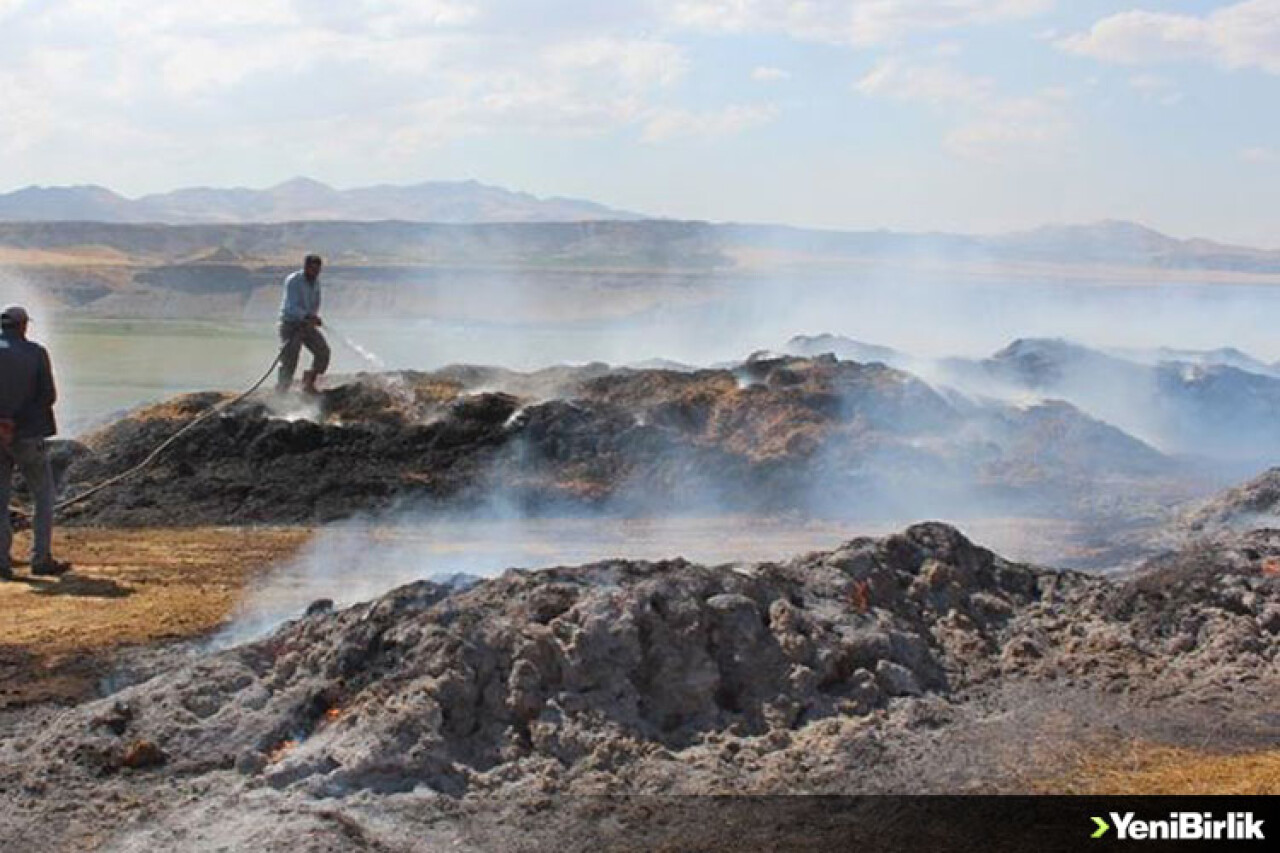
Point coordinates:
[[301, 199], [1109, 243]]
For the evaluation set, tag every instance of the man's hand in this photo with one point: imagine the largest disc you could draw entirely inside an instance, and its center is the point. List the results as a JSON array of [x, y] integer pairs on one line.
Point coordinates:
[[315, 321]]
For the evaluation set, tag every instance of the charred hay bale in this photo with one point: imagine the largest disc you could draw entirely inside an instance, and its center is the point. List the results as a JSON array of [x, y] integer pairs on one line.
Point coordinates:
[[492, 409], [567, 431], [63, 454], [1253, 504], [688, 414], [285, 438], [360, 401]]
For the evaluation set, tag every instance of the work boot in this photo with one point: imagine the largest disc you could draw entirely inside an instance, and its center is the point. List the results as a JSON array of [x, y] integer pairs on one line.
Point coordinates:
[[309, 383], [49, 568]]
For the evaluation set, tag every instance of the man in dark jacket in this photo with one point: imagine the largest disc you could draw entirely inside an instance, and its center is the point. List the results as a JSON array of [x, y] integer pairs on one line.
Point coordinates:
[[27, 395]]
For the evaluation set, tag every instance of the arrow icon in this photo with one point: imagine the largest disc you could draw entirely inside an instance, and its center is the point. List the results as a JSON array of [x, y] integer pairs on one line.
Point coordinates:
[[1102, 828]]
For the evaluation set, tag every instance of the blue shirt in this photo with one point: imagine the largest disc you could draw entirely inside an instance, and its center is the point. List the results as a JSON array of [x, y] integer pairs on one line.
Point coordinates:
[[301, 298]]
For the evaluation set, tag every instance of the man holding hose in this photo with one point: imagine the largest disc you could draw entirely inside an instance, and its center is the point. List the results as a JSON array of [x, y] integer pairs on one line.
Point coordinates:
[[27, 395], [300, 326]]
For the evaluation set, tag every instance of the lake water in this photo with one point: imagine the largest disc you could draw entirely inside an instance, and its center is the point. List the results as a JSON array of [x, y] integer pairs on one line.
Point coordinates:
[[106, 366]]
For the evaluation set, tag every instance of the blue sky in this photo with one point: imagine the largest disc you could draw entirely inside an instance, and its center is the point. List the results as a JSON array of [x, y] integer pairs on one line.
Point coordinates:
[[958, 115]]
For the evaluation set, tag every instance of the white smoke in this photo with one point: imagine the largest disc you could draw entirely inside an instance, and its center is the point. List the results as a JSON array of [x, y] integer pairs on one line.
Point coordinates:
[[360, 559]]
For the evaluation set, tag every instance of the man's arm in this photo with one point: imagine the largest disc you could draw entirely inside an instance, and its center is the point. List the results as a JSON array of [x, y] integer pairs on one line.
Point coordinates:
[[313, 305], [46, 391], [295, 306]]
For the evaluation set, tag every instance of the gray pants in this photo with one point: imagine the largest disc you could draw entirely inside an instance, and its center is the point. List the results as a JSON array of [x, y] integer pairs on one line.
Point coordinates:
[[294, 336], [32, 458]]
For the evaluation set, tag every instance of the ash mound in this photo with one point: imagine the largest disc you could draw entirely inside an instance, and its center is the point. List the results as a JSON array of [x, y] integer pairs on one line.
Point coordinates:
[[671, 677], [1218, 404], [1252, 553], [846, 348], [815, 435], [1252, 505]]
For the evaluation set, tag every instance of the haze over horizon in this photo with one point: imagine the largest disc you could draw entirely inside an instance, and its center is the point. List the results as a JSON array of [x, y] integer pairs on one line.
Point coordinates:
[[465, 201], [970, 116]]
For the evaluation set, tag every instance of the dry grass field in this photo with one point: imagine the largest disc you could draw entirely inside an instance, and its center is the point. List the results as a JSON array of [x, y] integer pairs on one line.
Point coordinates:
[[129, 588]]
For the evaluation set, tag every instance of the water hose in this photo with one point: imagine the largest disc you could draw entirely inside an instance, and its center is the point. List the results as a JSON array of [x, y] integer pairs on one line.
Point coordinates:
[[164, 445]]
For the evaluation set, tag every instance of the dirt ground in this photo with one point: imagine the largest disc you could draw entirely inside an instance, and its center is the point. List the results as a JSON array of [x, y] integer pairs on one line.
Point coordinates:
[[130, 588], [1142, 767]]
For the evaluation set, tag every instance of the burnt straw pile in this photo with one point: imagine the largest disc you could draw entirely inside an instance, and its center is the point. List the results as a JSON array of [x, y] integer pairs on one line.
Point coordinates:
[[814, 435], [1247, 506], [842, 671]]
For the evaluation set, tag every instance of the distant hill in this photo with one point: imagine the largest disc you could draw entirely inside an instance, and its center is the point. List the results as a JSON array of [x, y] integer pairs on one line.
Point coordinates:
[[1108, 243], [511, 228], [1128, 243], [302, 199], [53, 204], [649, 244]]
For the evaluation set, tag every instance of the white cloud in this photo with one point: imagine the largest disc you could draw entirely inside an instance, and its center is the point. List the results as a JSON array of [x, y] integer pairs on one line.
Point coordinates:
[[363, 76], [1243, 35], [1027, 128], [853, 22], [1153, 87], [395, 16], [126, 20], [769, 74], [354, 81], [667, 125], [936, 84], [1260, 155], [636, 63], [27, 117], [985, 123], [202, 66], [243, 68]]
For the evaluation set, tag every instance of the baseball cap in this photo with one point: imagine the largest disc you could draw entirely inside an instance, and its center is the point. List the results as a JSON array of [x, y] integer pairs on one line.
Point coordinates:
[[14, 315]]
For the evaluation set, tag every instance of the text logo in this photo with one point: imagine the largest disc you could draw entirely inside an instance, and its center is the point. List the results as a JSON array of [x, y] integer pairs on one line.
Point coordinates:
[[1182, 826]]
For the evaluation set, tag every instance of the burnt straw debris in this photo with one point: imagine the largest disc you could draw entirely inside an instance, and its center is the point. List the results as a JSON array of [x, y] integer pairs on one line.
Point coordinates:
[[1247, 506], [663, 676], [814, 435]]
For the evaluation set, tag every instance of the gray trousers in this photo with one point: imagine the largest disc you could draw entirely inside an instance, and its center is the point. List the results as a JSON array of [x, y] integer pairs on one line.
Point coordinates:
[[294, 336], [31, 456]]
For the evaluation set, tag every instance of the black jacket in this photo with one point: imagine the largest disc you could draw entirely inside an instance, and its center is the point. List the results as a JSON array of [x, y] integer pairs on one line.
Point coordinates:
[[27, 392]]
